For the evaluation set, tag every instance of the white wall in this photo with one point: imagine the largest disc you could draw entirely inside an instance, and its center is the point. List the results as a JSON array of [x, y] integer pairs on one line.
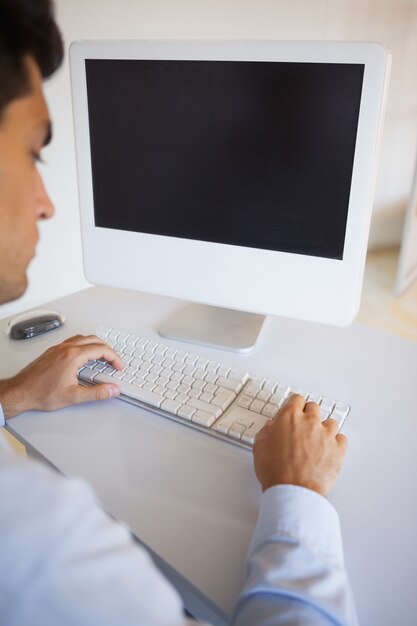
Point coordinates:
[[57, 269]]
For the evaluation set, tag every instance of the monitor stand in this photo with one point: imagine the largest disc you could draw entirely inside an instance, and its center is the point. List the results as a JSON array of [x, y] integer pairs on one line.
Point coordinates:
[[213, 327]]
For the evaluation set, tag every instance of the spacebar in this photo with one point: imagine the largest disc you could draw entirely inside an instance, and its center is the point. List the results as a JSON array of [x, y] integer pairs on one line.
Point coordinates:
[[132, 391]]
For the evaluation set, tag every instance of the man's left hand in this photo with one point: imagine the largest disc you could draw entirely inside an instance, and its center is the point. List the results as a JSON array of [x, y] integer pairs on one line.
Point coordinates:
[[50, 382]]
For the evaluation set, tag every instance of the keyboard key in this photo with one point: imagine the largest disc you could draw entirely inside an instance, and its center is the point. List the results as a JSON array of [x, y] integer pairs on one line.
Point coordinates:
[[199, 384], [223, 400], [245, 401], [181, 388], [314, 397], [240, 375], [140, 393], [236, 431], [341, 408], [223, 370], [270, 386], [229, 383], [324, 414], [182, 397], [250, 435], [204, 406], [240, 415], [206, 397], [246, 420], [99, 367], [171, 395], [283, 390], [263, 395], [128, 350], [223, 425], [171, 406], [194, 393], [203, 418], [88, 374], [270, 410], [162, 380], [277, 399], [257, 406], [210, 388], [327, 404], [139, 381], [252, 390], [186, 411], [340, 414], [302, 392]]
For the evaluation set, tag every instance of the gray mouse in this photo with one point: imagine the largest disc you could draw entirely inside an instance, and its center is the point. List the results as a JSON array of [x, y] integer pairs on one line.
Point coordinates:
[[34, 323]]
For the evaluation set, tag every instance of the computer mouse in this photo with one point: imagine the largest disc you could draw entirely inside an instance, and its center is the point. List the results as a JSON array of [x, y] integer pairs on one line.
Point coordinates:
[[34, 323]]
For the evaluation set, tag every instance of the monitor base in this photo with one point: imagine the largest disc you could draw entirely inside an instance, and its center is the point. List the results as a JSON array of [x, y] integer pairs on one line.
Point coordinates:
[[213, 327]]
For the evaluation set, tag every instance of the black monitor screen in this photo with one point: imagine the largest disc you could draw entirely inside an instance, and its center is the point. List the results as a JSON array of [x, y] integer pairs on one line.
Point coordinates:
[[252, 154]]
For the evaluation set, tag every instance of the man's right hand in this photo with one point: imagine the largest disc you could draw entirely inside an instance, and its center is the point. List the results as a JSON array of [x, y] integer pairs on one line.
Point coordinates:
[[298, 449], [51, 383]]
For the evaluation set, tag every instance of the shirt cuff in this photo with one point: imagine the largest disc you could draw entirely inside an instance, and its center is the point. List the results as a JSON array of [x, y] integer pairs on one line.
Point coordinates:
[[293, 513], [2, 421]]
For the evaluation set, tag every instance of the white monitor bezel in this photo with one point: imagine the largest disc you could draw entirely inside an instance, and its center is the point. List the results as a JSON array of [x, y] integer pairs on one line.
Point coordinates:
[[248, 279]]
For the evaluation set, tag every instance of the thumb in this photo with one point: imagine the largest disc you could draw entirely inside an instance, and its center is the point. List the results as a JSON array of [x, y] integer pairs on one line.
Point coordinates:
[[96, 392]]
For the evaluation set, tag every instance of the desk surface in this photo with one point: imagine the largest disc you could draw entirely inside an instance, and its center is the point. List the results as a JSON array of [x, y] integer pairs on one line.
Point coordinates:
[[193, 499]]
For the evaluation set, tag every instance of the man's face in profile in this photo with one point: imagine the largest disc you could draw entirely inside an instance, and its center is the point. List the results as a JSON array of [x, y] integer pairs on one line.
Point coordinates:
[[24, 129]]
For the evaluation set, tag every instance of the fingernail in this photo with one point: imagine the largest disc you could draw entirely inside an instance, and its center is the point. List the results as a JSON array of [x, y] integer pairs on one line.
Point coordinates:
[[113, 392]]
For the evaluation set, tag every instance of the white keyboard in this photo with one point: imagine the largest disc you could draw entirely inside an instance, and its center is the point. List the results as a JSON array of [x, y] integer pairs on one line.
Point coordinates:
[[207, 395]]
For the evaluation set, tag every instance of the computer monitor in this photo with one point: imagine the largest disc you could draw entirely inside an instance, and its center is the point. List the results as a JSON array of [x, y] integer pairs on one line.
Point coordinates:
[[235, 174]]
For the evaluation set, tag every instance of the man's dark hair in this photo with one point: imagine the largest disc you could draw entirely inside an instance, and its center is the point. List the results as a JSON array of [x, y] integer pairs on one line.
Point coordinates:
[[27, 27]]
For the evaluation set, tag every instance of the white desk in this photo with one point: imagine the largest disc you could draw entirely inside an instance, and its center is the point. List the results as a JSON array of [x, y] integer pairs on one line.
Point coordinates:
[[193, 499]]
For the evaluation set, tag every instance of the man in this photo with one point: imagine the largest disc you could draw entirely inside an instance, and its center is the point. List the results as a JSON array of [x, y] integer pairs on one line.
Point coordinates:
[[63, 560]]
